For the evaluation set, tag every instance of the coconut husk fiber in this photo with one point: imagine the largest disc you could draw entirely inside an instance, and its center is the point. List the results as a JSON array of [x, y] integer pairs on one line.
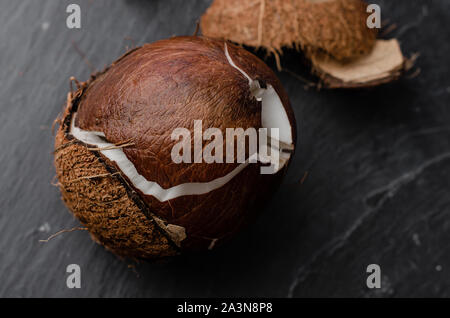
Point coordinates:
[[99, 197], [324, 30]]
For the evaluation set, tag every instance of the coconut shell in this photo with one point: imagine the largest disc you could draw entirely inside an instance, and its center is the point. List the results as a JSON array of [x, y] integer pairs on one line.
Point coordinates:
[[141, 98], [325, 30]]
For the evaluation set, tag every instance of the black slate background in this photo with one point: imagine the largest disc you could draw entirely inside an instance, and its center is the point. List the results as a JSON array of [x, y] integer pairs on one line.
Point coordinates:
[[378, 162]]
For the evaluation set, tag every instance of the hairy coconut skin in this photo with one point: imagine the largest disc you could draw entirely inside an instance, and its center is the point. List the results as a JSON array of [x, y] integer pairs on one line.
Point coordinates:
[[141, 98], [335, 27], [324, 30], [97, 195]]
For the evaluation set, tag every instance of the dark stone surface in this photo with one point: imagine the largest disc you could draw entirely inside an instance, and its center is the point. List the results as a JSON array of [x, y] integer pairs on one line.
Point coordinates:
[[378, 161]]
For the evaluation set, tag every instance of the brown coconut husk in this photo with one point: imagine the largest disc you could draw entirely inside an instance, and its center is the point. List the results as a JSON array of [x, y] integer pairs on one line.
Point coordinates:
[[104, 203], [99, 197], [327, 31]]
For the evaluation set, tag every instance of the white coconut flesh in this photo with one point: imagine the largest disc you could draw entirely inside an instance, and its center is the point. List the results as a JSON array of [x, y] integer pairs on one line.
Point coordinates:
[[273, 116]]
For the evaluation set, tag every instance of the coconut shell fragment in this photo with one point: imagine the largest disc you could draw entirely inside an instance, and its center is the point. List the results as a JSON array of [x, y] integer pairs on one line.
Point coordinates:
[[383, 64], [326, 31]]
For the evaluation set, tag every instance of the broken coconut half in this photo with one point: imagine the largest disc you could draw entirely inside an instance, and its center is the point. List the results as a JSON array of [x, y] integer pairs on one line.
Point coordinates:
[[113, 148], [333, 35]]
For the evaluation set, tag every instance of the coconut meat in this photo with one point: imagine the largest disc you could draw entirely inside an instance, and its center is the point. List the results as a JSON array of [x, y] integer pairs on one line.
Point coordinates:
[[273, 114]]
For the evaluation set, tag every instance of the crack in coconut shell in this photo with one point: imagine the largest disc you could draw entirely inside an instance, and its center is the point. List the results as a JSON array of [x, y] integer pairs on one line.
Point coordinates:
[[104, 203], [273, 116], [325, 30], [132, 230], [147, 187], [199, 219], [173, 234]]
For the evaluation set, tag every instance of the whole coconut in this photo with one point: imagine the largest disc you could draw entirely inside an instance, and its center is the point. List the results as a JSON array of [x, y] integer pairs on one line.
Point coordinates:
[[113, 147]]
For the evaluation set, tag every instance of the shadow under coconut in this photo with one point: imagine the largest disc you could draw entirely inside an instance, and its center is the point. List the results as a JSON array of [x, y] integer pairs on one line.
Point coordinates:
[[293, 63], [247, 263]]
